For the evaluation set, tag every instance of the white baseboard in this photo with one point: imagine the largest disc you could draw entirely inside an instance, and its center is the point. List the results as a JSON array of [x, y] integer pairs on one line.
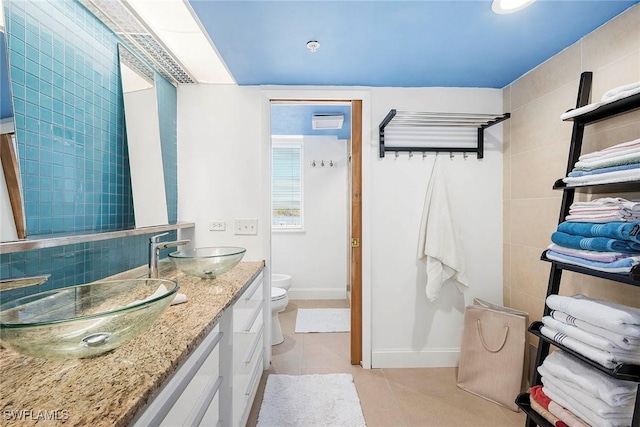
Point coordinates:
[[317, 293], [436, 358]]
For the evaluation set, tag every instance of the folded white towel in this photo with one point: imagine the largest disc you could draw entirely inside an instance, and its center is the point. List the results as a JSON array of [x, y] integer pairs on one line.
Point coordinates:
[[582, 376], [581, 110], [616, 91], [612, 97], [614, 159], [606, 314], [590, 255], [602, 218], [604, 178], [622, 341], [596, 405], [612, 149], [581, 335], [573, 405], [604, 358], [608, 203]]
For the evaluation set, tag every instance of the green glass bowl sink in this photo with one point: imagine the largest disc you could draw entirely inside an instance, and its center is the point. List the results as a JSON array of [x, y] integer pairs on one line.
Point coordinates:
[[85, 320], [207, 263]]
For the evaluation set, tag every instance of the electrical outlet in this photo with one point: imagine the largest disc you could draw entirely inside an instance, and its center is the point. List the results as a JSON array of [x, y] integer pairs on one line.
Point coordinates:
[[246, 226], [217, 226]]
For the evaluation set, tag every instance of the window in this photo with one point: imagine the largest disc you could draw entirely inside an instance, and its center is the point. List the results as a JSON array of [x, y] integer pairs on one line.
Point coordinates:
[[286, 185]]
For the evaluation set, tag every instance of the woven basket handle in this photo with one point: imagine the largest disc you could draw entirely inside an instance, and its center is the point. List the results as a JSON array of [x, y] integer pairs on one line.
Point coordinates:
[[484, 344]]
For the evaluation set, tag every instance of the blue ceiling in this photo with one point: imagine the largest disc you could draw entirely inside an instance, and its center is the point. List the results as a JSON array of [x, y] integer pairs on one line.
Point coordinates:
[[295, 119], [450, 43]]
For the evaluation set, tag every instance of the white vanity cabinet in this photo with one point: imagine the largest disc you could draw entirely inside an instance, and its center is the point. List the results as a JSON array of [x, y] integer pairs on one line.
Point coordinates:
[[193, 392], [248, 349], [216, 385]]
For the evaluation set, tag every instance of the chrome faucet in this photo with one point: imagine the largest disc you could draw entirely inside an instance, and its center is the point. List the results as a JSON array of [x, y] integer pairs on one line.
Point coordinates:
[[154, 251]]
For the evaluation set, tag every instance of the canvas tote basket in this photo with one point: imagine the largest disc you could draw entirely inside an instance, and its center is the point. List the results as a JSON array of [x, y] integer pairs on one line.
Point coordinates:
[[492, 352]]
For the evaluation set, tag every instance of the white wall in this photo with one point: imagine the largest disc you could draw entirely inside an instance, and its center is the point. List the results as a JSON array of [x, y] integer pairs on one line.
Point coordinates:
[[223, 173], [220, 164], [316, 258], [407, 329]]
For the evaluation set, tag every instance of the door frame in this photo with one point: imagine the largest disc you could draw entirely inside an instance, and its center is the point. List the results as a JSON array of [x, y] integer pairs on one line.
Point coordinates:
[[360, 349]]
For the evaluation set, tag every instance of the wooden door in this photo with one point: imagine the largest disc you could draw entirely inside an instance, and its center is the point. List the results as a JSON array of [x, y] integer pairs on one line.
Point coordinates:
[[356, 232]]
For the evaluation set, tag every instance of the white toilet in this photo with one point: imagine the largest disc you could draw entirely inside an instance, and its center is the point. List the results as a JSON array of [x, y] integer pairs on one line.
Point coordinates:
[[279, 301], [282, 281]]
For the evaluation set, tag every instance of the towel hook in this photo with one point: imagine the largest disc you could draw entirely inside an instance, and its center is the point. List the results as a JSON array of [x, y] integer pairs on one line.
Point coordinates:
[[397, 155], [410, 154], [313, 164], [451, 155], [331, 164], [322, 163], [424, 155], [464, 155]]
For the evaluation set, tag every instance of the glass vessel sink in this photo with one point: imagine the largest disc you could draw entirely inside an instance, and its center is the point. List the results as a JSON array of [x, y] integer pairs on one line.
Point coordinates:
[[207, 262], [85, 320]]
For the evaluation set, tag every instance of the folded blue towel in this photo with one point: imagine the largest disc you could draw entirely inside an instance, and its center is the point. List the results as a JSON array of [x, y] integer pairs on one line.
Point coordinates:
[[574, 172], [601, 244], [613, 230], [619, 266]]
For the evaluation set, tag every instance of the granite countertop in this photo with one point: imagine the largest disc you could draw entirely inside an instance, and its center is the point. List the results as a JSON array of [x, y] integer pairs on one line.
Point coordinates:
[[108, 390]]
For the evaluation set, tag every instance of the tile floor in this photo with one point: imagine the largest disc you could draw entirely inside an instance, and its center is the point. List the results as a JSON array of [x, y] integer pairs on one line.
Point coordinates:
[[390, 397]]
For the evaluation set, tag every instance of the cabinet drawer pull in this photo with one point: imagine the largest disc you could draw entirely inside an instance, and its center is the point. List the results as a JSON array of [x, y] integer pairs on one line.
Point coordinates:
[[254, 316], [257, 370], [257, 341], [253, 290], [202, 405]]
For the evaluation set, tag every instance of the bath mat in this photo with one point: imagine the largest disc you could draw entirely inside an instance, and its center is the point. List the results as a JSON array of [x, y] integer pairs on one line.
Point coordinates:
[[323, 320], [310, 401]]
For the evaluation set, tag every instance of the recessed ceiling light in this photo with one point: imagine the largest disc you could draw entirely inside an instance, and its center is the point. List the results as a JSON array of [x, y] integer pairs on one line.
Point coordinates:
[[313, 45], [509, 6]]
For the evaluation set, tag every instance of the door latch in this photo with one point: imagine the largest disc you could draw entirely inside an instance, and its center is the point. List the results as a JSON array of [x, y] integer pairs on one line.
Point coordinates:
[[355, 242]]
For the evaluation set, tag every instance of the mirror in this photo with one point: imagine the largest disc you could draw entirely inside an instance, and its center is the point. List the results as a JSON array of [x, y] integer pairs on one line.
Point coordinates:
[[12, 220], [143, 139]]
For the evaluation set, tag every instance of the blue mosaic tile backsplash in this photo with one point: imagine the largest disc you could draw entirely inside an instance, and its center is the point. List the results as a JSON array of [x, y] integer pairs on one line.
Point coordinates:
[[69, 119], [71, 139]]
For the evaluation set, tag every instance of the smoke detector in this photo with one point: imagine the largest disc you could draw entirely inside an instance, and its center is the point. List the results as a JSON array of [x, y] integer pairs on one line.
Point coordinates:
[[313, 45]]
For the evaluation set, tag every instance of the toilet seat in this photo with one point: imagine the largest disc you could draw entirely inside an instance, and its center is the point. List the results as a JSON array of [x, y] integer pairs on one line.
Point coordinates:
[[278, 294]]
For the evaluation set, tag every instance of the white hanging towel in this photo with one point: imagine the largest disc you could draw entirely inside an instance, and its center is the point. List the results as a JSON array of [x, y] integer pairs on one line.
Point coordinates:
[[438, 242]]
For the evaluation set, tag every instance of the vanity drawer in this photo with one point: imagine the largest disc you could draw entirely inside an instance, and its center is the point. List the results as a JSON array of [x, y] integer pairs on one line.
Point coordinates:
[[191, 391], [248, 301], [245, 385]]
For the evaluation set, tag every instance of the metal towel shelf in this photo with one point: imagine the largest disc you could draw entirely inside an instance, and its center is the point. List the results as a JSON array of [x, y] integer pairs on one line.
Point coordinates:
[[410, 119]]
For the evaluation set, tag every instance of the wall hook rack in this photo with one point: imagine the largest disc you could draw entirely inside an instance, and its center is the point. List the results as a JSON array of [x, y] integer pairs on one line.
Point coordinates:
[[323, 163], [412, 119]]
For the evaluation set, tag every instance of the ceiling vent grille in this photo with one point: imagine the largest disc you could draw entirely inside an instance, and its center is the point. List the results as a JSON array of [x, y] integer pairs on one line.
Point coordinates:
[[327, 121], [123, 21]]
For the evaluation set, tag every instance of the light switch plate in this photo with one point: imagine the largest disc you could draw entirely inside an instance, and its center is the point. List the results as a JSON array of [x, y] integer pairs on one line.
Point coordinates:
[[246, 226]]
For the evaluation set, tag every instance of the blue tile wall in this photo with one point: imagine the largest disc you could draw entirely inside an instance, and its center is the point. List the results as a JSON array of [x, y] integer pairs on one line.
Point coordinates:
[[71, 141], [75, 264], [68, 103]]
